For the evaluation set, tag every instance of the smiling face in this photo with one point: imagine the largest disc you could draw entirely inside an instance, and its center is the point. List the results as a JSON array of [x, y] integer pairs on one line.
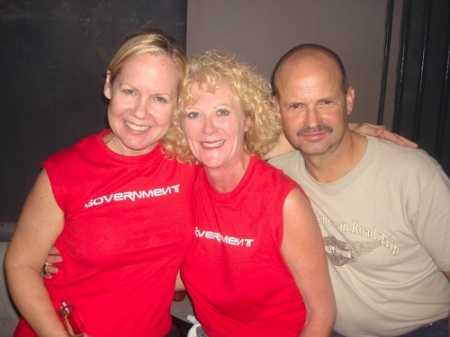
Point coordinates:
[[142, 97], [313, 106], [214, 126]]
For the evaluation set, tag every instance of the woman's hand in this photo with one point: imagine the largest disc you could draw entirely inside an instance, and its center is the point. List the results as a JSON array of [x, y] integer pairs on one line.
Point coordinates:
[[49, 269], [380, 131]]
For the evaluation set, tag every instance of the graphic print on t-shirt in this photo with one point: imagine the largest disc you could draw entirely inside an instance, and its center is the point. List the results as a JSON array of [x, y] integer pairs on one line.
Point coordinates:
[[341, 252]]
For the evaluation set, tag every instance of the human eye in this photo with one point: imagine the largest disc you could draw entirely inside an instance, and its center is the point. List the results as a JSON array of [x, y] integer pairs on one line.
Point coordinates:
[[161, 99], [223, 112], [295, 106], [325, 102], [127, 91], [192, 114]]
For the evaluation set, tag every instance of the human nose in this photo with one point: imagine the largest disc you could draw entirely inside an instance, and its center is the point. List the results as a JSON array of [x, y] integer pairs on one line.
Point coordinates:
[[312, 117], [141, 109], [209, 126]]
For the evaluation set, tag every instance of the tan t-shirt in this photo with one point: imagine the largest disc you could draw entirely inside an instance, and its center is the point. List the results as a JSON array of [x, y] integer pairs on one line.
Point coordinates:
[[387, 236]]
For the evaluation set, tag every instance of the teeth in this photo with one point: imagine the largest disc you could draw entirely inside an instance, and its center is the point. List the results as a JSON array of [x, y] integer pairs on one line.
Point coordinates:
[[212, 145], [136, 127]]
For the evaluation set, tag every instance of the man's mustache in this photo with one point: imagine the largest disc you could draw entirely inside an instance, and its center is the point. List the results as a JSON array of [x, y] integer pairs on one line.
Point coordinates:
[[318, 128]]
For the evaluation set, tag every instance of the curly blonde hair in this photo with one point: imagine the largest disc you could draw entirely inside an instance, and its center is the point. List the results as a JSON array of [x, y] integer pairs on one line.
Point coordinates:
[[210, 69]]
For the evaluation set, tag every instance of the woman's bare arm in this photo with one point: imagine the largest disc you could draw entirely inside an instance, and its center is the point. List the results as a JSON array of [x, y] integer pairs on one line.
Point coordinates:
[[304, 253], [40, 223], [380, 131]]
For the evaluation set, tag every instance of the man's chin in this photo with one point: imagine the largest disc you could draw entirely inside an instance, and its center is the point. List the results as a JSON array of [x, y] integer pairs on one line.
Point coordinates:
[[309, 150]]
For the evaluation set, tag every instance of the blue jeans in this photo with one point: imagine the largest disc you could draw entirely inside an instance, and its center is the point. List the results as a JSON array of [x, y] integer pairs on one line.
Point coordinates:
[[436, 329]]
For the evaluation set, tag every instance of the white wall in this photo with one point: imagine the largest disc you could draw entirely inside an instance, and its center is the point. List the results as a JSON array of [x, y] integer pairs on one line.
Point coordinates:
[[260, 31]]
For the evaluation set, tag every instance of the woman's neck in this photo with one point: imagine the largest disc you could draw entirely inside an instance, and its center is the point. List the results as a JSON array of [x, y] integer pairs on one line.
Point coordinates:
[[225, 179]]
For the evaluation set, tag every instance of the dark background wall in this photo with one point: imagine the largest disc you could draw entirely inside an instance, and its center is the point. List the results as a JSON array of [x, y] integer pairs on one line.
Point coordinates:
[[52, 59]]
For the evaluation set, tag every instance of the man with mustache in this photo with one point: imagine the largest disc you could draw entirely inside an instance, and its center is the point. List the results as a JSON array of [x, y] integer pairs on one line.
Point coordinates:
[[383, 209]]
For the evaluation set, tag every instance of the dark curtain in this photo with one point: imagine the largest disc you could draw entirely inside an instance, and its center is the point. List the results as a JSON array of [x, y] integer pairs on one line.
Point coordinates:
[[422, 110]]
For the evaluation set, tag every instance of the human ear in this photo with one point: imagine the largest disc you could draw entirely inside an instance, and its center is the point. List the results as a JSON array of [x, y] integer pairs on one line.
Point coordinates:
[[276, 103], [350, 99], [247, 122], [107, 87]]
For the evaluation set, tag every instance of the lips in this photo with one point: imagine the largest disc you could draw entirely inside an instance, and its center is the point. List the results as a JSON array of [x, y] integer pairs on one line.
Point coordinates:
[[212, 145], [135, 127], [313, 136]]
